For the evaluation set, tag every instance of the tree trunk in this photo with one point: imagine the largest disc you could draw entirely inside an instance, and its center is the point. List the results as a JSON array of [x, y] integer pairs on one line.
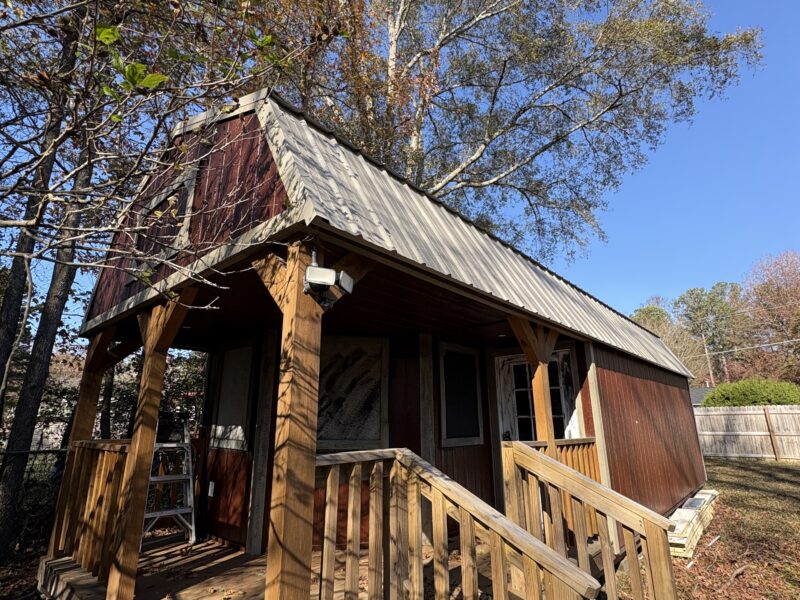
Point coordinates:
[[105, 407], [30, 397], [11, 307]]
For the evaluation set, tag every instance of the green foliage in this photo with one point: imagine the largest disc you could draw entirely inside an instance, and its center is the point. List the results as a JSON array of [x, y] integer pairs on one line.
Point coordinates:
[[652, 317], [754, 392], [107, 34]]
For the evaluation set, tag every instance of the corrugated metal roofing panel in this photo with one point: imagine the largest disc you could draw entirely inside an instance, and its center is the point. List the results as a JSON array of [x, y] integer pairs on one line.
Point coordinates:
[[361, 198]]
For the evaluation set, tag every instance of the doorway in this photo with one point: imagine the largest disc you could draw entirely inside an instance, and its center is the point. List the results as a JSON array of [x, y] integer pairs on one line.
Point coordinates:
[[515, 397]]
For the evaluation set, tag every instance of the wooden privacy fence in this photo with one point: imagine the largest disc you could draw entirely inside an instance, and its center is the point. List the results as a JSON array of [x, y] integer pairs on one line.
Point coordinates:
[[403, 488], [749, 431], [539, 491], [87, 529]]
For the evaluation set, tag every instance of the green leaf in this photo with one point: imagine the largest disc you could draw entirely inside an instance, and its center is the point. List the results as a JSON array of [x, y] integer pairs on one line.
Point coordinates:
[[116, 118], [134, 73], [107, 34], [153, 80]]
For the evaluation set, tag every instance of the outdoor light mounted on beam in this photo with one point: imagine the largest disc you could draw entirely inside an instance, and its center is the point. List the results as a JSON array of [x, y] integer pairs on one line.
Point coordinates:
[[327, 285]]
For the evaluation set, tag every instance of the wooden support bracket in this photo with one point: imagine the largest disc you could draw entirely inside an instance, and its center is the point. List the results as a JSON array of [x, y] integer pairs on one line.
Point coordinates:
[[538, 343]]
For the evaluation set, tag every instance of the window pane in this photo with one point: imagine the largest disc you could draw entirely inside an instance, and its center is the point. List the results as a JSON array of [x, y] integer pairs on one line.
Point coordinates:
[[461, 395], [521, 379], [525, 430], [552, 372], [558, 427], [523, 403], [555, 401]]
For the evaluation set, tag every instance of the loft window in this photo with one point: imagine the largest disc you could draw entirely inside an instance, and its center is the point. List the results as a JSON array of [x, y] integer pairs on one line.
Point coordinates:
[[459, 376]]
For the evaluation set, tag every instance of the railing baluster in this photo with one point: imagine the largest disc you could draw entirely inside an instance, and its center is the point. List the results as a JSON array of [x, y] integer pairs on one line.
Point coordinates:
[[375, 572], [533, 578], [607, 553], [581, 539], [469, 561], [441, 571], [648, 577], [353, 552], [328, 562], [110, 532], [534, 491], [499, 570], [414, 538], [632, 559], [398, 526], [557, 517]]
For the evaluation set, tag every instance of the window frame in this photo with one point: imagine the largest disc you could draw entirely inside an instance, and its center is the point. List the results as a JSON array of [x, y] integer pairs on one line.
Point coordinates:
[[451, 442]]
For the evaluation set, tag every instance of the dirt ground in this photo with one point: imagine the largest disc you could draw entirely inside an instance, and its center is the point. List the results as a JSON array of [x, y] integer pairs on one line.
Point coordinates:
[[757, 519], [750, 551]]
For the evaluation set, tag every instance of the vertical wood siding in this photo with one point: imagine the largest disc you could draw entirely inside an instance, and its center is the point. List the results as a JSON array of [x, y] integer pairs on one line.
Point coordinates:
[[227, 510], [653, 450], [236, 188]]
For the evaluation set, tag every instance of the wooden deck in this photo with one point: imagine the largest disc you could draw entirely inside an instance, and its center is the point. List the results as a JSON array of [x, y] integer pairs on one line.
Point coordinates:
[[211, 571]]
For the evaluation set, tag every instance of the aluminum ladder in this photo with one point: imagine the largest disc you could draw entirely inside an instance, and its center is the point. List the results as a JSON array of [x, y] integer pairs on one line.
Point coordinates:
[[173, 453]]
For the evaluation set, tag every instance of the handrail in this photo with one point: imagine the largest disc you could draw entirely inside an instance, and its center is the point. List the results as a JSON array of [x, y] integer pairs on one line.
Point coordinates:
[[562, 442], [104, 445], [496, 522], [559, 505], [399, 481], [615, 505]]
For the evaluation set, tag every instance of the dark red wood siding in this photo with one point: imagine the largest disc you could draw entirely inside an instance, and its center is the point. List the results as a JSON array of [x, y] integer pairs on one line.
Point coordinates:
[[236, 188], [651, 439]]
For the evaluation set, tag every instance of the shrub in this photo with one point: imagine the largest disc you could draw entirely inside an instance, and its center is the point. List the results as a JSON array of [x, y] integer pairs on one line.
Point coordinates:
[[753, 392]]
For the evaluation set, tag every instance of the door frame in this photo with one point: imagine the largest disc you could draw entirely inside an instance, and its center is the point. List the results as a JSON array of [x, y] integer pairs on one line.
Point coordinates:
[[506, 421]]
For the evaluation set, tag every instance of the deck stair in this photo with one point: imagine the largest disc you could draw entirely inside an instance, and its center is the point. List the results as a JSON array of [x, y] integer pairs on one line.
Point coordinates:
[[572, 513]]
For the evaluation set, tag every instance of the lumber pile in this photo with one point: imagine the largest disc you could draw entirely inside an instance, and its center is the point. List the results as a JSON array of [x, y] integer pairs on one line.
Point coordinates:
[[690, 522]]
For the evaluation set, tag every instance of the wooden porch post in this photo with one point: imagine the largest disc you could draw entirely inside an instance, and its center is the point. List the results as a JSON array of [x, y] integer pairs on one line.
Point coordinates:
[[538, 346], [158, 331], [82, 424], [294, 459]]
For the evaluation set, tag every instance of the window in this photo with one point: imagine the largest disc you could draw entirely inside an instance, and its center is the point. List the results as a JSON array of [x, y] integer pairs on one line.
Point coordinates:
[[353, 394], [462, 417]]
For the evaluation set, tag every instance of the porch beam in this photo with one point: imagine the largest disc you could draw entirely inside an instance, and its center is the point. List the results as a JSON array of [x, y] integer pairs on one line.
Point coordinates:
[[158, 328], [288, 574], [82, 425], [538, 344]]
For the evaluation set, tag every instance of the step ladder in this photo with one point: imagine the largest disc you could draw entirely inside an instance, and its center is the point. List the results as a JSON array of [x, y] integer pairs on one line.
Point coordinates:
[[167, 457]]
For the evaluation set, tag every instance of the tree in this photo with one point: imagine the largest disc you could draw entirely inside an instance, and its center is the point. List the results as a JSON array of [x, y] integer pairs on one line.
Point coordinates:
[[656, 318], [716, 318], [89, 92], [520, 114], [772, 293]]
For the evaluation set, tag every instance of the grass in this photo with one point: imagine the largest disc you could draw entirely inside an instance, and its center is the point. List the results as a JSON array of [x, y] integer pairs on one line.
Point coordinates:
[[757, 519]]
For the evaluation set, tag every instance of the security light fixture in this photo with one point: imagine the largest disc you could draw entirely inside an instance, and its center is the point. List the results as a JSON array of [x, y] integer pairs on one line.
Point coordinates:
[[319, 281]]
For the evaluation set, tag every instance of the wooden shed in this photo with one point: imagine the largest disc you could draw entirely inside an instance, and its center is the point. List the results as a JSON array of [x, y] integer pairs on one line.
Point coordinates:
[[443, 390]]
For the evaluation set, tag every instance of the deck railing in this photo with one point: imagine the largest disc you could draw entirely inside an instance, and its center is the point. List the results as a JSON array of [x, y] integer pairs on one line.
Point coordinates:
[[579, 454], [87, 529], [547, 492], [403, 488]]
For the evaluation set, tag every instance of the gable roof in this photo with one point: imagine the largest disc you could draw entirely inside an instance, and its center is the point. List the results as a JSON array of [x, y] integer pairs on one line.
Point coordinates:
[[362, 199]]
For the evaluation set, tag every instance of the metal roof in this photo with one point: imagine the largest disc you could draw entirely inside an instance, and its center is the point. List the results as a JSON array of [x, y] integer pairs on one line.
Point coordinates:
[[363, 199]]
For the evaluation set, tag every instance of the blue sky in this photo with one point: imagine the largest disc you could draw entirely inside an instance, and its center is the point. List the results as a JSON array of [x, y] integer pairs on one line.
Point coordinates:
[[719, 194]]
